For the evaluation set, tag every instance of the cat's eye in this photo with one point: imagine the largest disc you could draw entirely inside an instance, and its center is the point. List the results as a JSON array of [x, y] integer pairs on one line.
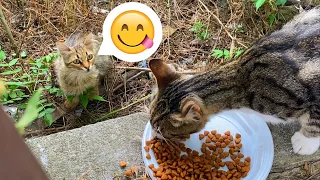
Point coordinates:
[[124, 27], [89, 57], [140, 27], [77, 61]]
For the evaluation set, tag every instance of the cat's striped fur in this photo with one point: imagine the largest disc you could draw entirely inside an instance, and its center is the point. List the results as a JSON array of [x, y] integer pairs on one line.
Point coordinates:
[[80, 68], [279, 75]]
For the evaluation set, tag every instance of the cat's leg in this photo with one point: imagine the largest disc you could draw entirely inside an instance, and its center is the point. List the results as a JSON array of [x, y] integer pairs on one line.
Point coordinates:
[[96, 91], [72, 104], [307, 140], [67, 107]]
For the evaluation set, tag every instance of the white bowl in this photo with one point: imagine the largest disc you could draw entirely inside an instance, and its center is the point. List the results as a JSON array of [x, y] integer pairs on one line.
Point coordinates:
[[256, 139]]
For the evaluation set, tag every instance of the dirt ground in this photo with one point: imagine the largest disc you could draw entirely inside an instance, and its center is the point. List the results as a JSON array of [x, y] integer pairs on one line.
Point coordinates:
[[232, 24]]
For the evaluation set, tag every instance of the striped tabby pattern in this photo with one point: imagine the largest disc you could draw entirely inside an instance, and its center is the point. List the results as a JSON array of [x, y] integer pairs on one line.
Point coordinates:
[[279, 75]]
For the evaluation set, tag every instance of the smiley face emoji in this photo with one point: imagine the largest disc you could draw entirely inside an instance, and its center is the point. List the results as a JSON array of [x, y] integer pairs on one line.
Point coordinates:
[[132, 32]]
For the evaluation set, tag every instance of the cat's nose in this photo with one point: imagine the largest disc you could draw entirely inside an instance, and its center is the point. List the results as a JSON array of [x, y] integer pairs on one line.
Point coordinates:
[[88, 68]]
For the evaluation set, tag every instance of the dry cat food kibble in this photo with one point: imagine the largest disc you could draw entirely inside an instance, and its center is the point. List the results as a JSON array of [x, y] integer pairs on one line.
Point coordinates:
[[123, 164], [193, 166]]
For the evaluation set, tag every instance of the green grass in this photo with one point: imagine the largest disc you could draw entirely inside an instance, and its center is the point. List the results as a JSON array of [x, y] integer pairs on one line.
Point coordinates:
[[225, 54], [200, 30], [273, 4], [23, 81]]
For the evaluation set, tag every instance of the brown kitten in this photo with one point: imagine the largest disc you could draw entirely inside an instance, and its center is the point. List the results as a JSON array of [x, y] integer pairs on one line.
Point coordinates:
[[279, 75], [80, 68]]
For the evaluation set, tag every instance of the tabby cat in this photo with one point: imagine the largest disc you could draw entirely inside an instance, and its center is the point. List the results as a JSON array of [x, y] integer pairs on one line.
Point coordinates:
[[279, 75], [80, 68]]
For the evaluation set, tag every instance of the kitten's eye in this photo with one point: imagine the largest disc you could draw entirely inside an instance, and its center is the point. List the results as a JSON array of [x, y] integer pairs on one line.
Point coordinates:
[[77, 61], [139, 27], [124, 27], [89, 57]]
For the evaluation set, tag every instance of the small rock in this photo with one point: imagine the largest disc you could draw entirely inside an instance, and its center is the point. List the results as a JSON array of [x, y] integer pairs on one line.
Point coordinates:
[[96, 10], [11, 111]]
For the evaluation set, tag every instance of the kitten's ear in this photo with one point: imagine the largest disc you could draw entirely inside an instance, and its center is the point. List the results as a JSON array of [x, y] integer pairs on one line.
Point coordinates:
[[163, 73], [63, 48], [191, 111], [91, 42]]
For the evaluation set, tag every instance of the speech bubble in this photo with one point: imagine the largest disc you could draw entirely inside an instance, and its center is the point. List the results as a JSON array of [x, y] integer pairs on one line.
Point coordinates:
[[127, 33]]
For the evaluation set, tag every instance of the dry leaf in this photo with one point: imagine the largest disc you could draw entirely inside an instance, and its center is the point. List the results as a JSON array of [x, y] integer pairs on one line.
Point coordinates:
[[167, 31]]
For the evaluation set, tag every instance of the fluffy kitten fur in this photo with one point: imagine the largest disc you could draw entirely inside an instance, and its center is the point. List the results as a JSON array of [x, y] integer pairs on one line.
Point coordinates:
[[79, 67], [279, 75]]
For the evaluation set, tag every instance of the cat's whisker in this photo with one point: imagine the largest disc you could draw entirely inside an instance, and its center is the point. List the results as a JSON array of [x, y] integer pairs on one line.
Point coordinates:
[[168, 141]]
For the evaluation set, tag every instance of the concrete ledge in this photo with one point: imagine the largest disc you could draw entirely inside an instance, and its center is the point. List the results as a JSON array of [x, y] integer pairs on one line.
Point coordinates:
[[98, 148]]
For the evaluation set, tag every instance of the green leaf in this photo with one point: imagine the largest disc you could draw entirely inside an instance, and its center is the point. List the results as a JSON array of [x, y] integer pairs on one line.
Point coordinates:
[[281, 2], [20, 93], [13, 61], [197, 27], [41, 114], [13, 94], [49, 110], [14, 83], [48, 119], [240, 28], [84, 100], [89, 90], [204, 35], [17, 99], [226, 54], [96, 97], [2, 55], [59, 92], [70, 98], [217, 53], [259, 3], [238, 53], [272, 17], [4, 65], [44, 67], [30, 113], [42, 101], [22, 106], [39, 64], [23, 54], [8, 102], [55, 55], [24, 76], [47, 86], [44, 106], [48, 59], [53, 90], [11, 72]]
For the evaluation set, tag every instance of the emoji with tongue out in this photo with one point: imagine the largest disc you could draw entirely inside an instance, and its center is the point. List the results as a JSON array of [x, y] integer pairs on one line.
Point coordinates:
[[132, 32]]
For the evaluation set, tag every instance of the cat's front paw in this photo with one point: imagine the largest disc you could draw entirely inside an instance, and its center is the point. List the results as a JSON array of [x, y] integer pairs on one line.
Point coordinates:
[[303, 145]]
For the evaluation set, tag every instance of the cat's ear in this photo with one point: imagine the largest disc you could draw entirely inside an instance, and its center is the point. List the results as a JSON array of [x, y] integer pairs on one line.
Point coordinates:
[[163, 73], [63, 48], [191, 111], [91, 42]]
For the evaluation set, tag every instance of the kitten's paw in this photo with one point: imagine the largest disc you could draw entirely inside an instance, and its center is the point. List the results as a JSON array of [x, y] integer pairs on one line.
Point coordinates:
[[303, 145]]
